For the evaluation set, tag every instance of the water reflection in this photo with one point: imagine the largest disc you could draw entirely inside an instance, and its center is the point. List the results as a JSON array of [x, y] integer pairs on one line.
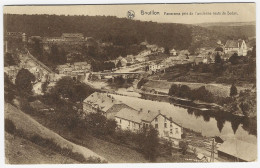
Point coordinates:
[[248, 124]]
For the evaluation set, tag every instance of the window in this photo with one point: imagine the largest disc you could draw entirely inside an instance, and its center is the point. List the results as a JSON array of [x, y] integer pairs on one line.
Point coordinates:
[[143, 125], [177, 130], [156, 125], [120, 121], [146, 125], [171, 124], [171, 131], [165, 125]]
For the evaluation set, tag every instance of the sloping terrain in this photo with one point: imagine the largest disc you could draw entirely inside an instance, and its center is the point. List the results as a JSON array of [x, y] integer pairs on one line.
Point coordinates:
[[30, 127], [21, 151]]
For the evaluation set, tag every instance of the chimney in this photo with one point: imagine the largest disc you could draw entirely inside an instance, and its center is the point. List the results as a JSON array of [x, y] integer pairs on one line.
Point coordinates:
[[159, 111], [148, 111]]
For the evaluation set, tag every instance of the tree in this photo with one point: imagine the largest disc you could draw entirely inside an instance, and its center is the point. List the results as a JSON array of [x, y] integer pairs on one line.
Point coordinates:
[[219, 49], [119, 64], [9, 89], [110, 127], [8, 59], [234, 59], [44, 87], [166, 50], [184, 146], [9, 126], [174, 90], [184, 91], [68, 88], [149, 142], [218, 59], [233, 90], [24, 81]]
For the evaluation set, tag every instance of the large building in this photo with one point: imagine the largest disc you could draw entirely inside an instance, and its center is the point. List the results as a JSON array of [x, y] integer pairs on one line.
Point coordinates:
[[133, 120], [236, 46], [76, 68], [65, 38], [103, 103], [129, 118]]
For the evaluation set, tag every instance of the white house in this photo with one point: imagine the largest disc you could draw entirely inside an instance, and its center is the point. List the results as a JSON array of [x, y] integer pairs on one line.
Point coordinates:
[[173, 52], [133, 120], [236, 46], [155, 67], [103, 103]]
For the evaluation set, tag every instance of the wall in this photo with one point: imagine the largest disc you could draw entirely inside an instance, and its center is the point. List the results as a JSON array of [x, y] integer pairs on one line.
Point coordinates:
[[127, 125], [172, 130]]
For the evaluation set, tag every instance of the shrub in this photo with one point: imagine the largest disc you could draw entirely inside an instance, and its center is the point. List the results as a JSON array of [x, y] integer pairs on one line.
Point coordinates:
[[9, 126], [49, 143], [141, 83], [233, 90], [184, 147]]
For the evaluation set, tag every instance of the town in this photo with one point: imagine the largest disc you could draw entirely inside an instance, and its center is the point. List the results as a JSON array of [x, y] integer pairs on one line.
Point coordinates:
[[160, 103]]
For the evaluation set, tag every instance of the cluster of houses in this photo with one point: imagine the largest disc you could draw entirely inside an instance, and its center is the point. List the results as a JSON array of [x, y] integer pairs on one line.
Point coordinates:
[[130, 118], [205, 56], [41, 72], [73, 69]]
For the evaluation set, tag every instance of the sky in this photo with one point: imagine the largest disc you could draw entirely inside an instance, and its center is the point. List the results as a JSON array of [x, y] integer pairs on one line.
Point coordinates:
[[201, 13]]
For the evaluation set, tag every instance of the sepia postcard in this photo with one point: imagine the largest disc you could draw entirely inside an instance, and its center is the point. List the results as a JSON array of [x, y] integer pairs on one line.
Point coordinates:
[[130, 83]]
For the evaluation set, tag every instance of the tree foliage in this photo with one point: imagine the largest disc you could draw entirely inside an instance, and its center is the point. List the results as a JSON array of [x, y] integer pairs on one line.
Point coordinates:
[[105, 29], [24, 81], [148, 142], [233, 90], [73, 90]]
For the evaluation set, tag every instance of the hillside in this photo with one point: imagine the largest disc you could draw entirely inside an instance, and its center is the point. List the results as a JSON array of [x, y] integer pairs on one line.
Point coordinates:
[[119, 31], [20, 150], [236, 30], [34, 131]]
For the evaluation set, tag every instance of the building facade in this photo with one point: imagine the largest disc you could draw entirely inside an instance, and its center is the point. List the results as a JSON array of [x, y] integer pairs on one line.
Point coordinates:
[[236, 46]]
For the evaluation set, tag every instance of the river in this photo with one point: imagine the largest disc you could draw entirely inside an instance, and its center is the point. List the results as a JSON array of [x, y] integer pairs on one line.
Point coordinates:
[[209, 123]]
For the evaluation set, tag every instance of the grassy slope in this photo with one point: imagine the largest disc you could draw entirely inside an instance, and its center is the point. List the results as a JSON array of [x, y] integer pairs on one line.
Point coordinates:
[[22, 151], [31, 127], [114, 153]]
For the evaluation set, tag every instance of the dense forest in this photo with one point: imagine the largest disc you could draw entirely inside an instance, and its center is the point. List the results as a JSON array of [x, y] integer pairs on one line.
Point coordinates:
[[119, 31]]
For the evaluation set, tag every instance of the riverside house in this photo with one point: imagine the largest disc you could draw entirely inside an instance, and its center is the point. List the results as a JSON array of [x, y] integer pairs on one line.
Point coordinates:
[[134, 120]]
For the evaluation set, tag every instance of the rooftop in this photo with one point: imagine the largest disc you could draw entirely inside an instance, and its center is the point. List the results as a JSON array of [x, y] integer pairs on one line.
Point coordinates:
[[233, 43], [240, 149], [103, 100], [137, 116]]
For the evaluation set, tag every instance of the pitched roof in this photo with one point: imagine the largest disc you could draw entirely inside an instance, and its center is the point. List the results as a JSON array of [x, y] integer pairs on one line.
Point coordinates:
[[149, 115], [231, 44], [129, 114], [103, 100], [137, 116], [240, 149]]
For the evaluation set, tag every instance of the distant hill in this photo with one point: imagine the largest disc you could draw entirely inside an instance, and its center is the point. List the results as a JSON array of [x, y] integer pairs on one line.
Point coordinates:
[[119, 31], [124, 33], [243, 30], [227, 24]]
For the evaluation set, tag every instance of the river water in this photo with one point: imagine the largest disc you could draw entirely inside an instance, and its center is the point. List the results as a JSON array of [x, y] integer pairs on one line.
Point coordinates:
[[209, 123]]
